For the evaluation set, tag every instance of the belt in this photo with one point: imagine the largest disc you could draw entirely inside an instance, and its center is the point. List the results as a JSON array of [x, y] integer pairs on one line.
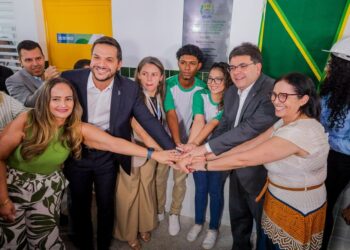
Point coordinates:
[[268, 181]]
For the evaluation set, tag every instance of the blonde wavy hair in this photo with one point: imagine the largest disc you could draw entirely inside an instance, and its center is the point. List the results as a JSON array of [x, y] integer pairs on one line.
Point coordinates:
[[41, 127]]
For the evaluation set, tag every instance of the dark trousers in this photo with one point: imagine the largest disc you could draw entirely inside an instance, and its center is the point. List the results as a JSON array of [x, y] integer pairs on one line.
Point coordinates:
[[82, 180], [243, 210], [338, 176]]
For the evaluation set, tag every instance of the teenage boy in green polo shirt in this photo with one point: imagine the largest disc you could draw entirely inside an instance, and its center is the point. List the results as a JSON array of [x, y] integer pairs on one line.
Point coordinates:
[[180, 89]]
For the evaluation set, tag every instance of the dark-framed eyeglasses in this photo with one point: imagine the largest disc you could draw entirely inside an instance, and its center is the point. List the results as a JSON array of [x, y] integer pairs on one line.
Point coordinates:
[[282, 97], [241, 66], [215, 81]]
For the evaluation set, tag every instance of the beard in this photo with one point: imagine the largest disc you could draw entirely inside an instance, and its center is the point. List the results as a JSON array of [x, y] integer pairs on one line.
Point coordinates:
[[105, 77]]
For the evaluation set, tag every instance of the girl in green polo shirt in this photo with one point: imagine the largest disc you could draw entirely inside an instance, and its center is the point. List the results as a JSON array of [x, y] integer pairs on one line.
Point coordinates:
[[207, 111]]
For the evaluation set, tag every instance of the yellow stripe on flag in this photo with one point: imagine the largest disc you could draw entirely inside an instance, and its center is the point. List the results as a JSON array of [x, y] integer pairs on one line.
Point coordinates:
[[345, 21], [296, 40]]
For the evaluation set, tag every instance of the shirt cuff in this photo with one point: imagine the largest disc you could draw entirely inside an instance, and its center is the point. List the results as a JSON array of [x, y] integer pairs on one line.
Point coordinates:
[[208, 148]]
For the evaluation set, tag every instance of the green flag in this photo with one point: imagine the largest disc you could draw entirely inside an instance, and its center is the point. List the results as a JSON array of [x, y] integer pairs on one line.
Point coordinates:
[[293, 34]]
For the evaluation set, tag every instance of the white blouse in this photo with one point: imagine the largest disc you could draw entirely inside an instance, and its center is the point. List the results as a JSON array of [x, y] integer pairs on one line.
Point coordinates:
[[300, 172]]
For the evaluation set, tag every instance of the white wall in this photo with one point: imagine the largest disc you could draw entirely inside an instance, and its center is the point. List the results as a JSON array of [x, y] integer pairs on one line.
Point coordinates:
[[30, 22], [145, 30]]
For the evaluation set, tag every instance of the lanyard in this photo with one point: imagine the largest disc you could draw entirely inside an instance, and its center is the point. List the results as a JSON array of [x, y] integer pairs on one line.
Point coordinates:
[[157, 111]]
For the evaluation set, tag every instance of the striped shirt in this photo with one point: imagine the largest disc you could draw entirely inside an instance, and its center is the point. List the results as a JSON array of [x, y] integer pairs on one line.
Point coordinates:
[[10, 108]]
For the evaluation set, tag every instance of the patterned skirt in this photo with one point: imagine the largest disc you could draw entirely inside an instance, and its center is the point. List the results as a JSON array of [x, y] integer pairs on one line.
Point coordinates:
[[284, 227]]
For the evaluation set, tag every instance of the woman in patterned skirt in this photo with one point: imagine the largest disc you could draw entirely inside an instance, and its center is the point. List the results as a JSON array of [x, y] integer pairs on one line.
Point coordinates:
[[34, 146]]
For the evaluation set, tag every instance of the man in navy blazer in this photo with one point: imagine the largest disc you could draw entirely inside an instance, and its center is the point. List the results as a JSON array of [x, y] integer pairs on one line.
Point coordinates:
[[109, 100]]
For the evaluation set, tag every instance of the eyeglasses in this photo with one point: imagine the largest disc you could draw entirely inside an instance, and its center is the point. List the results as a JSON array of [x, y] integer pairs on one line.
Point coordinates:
[[215, 81], [282, 97], [241, 66]]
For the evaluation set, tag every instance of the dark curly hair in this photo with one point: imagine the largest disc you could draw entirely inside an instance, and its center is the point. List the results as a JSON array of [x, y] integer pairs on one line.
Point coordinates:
[[303, 85], [227, 78], [337, 86], [192, 50]]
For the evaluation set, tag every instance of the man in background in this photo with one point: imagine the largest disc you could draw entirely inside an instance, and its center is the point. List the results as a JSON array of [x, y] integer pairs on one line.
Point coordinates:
[[82, 64], [25, 84]]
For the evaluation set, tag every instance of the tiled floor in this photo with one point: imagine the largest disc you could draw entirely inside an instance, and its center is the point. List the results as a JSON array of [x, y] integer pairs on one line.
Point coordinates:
[[161, 240]]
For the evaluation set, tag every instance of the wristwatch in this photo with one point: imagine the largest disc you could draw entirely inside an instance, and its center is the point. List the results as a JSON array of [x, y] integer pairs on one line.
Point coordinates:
[[149, 153]]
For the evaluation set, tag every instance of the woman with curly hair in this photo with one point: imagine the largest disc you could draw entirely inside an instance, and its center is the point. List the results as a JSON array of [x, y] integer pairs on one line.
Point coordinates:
[[335, 117], [34, 147]]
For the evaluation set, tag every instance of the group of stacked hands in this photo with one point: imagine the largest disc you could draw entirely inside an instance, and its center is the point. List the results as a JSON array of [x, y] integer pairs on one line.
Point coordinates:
[[239, 119]]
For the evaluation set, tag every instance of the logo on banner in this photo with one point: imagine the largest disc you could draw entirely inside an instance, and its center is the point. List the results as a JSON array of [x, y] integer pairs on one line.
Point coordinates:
[[207, 9]]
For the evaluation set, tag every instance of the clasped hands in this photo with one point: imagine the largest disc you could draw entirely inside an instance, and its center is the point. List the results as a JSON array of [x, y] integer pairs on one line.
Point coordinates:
[[191, 158]]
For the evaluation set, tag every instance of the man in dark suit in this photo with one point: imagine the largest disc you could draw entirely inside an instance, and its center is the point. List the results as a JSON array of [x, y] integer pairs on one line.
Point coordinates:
[[109, 100], [25, 84], [248, 111]]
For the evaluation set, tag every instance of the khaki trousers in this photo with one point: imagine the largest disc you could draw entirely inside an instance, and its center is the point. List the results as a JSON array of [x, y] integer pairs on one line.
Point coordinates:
[[135, 202], [179, 189]]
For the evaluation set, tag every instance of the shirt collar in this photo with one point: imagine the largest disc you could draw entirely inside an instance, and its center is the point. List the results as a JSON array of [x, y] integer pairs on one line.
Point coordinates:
[[38, 78], [35, 77], [245, 91], [91, 85]]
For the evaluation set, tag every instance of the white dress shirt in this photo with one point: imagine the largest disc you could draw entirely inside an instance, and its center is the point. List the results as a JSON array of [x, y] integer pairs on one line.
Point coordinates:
[[99, 104]]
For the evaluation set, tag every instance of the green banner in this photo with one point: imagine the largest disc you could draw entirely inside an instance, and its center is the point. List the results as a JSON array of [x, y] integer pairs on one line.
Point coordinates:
[[294, 32], [77, 38]]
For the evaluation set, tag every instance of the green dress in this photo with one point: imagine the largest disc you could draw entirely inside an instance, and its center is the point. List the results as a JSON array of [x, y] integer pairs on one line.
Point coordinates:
[[35, 187]]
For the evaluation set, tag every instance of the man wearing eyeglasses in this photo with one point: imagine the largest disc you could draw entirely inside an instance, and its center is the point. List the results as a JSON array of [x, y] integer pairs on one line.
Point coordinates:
[[248, 111]]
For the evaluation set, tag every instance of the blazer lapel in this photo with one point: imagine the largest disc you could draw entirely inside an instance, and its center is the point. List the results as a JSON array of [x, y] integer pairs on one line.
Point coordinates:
[[235, 105], [32, 83], [84, 98], [231, 103], [252, 93], [81, 83], [116, 96]]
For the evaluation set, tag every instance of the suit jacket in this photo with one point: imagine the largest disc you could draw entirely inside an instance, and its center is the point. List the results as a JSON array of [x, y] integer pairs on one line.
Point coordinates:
[[126, 103], [257, 115], [24, 87]]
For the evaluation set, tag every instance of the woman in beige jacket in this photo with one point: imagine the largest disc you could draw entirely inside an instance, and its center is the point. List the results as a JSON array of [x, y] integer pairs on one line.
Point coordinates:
[[136, 198]]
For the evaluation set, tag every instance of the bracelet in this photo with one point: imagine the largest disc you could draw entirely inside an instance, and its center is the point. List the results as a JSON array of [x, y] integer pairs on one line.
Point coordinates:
[[5, 202], [149, 153], [206, 166]]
